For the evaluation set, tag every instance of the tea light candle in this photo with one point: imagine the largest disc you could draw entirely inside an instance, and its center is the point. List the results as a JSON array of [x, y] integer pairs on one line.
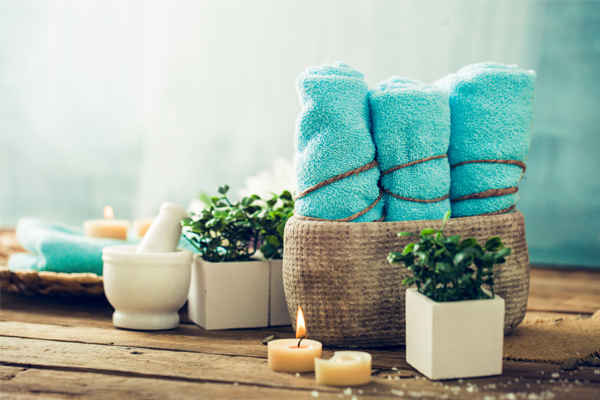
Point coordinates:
[[106, 228], [294, 355], [345, 368], [140, 226]]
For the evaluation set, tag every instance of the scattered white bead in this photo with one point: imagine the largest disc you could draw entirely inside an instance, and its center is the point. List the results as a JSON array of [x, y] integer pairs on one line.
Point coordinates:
[[314, 393], [354, 398], [394, 369], [511, 396], [348, 391], [597, 371], [235, 384], [360, 391], [297, 374], [555, 375], [489, 398], [460, 381], [470, 389], [397, 392], [533, 396]]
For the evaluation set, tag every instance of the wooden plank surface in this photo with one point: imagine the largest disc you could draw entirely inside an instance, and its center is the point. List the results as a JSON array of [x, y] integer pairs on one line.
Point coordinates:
[[66, 348]]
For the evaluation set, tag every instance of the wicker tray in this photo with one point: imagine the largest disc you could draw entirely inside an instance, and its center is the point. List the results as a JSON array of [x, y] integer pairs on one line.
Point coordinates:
[[352, 297], [31, 282]]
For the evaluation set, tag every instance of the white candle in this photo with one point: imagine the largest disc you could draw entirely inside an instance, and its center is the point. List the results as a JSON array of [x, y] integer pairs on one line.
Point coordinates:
[[286, 356], [345, 368], [106, 228], [294, 355]]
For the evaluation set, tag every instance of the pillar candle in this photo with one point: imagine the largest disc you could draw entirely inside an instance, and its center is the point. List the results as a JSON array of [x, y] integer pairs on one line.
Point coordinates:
[[345, 368], [106, 228]]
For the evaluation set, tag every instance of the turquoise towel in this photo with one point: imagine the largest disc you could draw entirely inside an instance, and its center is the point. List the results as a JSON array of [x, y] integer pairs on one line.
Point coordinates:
[[332, 137], [491, 109], [58, 248], [411, 122]]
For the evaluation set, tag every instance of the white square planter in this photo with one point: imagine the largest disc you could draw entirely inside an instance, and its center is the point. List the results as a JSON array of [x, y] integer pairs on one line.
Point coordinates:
[[229, 295], [456, 339], [278, 310]]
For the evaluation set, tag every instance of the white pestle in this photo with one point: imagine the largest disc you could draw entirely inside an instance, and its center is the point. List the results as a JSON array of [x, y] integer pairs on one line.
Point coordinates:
[[164, 233]]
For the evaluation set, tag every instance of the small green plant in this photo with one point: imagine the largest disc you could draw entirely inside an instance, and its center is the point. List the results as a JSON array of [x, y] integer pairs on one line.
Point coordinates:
[[276, 214], [227, 231], [442, 266]]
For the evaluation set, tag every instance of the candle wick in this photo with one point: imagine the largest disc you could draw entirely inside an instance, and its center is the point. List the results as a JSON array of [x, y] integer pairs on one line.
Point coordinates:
[[301, 340]]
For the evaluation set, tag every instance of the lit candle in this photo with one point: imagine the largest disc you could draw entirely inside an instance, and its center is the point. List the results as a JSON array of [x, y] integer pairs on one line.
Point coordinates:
[[140, 226], [345, 368], [106, 228], [294, 355]]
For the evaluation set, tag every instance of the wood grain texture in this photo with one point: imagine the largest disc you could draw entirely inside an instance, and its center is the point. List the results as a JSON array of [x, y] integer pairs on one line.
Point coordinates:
[[68, 348]]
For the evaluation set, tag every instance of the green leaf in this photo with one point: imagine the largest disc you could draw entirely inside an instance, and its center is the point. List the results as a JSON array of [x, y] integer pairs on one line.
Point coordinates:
[[428, 231], [409, 247], [273, 240], [406, 234], [223, 189], [469, 242], [494, 244], [503, 253]]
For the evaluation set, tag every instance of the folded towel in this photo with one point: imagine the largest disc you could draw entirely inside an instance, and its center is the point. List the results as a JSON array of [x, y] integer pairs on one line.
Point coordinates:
[[59, 247], [333, 138], [491, 109], [411, 123]]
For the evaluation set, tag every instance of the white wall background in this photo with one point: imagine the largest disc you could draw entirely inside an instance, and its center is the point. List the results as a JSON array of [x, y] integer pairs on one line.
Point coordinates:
[[133, 103]]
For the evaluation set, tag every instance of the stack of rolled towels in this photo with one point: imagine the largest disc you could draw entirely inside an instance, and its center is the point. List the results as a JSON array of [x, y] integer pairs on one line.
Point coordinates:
[[411, 151]]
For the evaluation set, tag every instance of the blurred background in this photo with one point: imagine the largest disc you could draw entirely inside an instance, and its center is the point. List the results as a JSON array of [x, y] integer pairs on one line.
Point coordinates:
[[134, 103]]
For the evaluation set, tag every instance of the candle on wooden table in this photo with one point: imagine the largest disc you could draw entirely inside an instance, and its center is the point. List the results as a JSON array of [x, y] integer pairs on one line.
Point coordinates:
[[294, 355], [140, 226], [345, 368], [106, 228]]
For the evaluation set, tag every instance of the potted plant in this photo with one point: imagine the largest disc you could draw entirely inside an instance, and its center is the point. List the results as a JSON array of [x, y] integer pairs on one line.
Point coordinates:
[[232, 282], [276, 213], [454, 322]]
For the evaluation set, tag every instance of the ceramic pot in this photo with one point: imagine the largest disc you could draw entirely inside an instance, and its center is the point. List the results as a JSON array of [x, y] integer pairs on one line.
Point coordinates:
[[455, 339], [229, 295], [146, 289]]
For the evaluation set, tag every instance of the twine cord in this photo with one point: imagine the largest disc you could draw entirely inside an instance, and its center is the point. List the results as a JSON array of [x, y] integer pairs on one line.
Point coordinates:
[[492, 192], [336, 178], [347, 219], [408, 164]]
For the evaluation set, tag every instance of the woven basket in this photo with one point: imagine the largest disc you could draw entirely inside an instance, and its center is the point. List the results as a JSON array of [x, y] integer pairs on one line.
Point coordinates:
[[30, 283], [352, 297]]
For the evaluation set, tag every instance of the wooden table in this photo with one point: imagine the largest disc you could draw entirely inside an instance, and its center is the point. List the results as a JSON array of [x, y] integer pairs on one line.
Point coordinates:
[[65, 348]]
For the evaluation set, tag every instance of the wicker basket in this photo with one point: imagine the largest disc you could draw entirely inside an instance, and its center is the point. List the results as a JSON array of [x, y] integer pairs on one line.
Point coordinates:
[[352, 297]]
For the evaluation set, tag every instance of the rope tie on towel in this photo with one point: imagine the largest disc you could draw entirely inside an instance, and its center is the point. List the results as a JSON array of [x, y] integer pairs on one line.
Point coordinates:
[[492, 192], [355, 171], [408, 164]]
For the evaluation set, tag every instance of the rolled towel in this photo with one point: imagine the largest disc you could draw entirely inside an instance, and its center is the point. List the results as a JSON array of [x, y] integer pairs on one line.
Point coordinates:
[[336, 174], [411, 129], [491, 108]]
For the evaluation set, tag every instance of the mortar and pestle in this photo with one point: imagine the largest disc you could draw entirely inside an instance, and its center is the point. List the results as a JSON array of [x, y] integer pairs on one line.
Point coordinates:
[[148, 284]]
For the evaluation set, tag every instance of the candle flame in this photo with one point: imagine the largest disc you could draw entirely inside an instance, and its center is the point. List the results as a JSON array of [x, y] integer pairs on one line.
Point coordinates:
[[108, 212], [300, 324]]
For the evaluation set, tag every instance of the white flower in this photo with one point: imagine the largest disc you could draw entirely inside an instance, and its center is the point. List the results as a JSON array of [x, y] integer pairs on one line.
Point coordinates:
[[267, 182]]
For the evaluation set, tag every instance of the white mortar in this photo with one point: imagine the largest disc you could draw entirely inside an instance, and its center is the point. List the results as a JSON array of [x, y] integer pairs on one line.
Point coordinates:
[[146, 289]]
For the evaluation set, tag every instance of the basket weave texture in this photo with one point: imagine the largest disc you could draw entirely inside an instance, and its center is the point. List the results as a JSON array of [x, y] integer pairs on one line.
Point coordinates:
[[352, 297]]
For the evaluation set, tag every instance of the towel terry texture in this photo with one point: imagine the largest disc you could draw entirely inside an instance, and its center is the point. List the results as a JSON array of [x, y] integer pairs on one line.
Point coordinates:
[[491, 108], [411, 121], [333, 137]]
